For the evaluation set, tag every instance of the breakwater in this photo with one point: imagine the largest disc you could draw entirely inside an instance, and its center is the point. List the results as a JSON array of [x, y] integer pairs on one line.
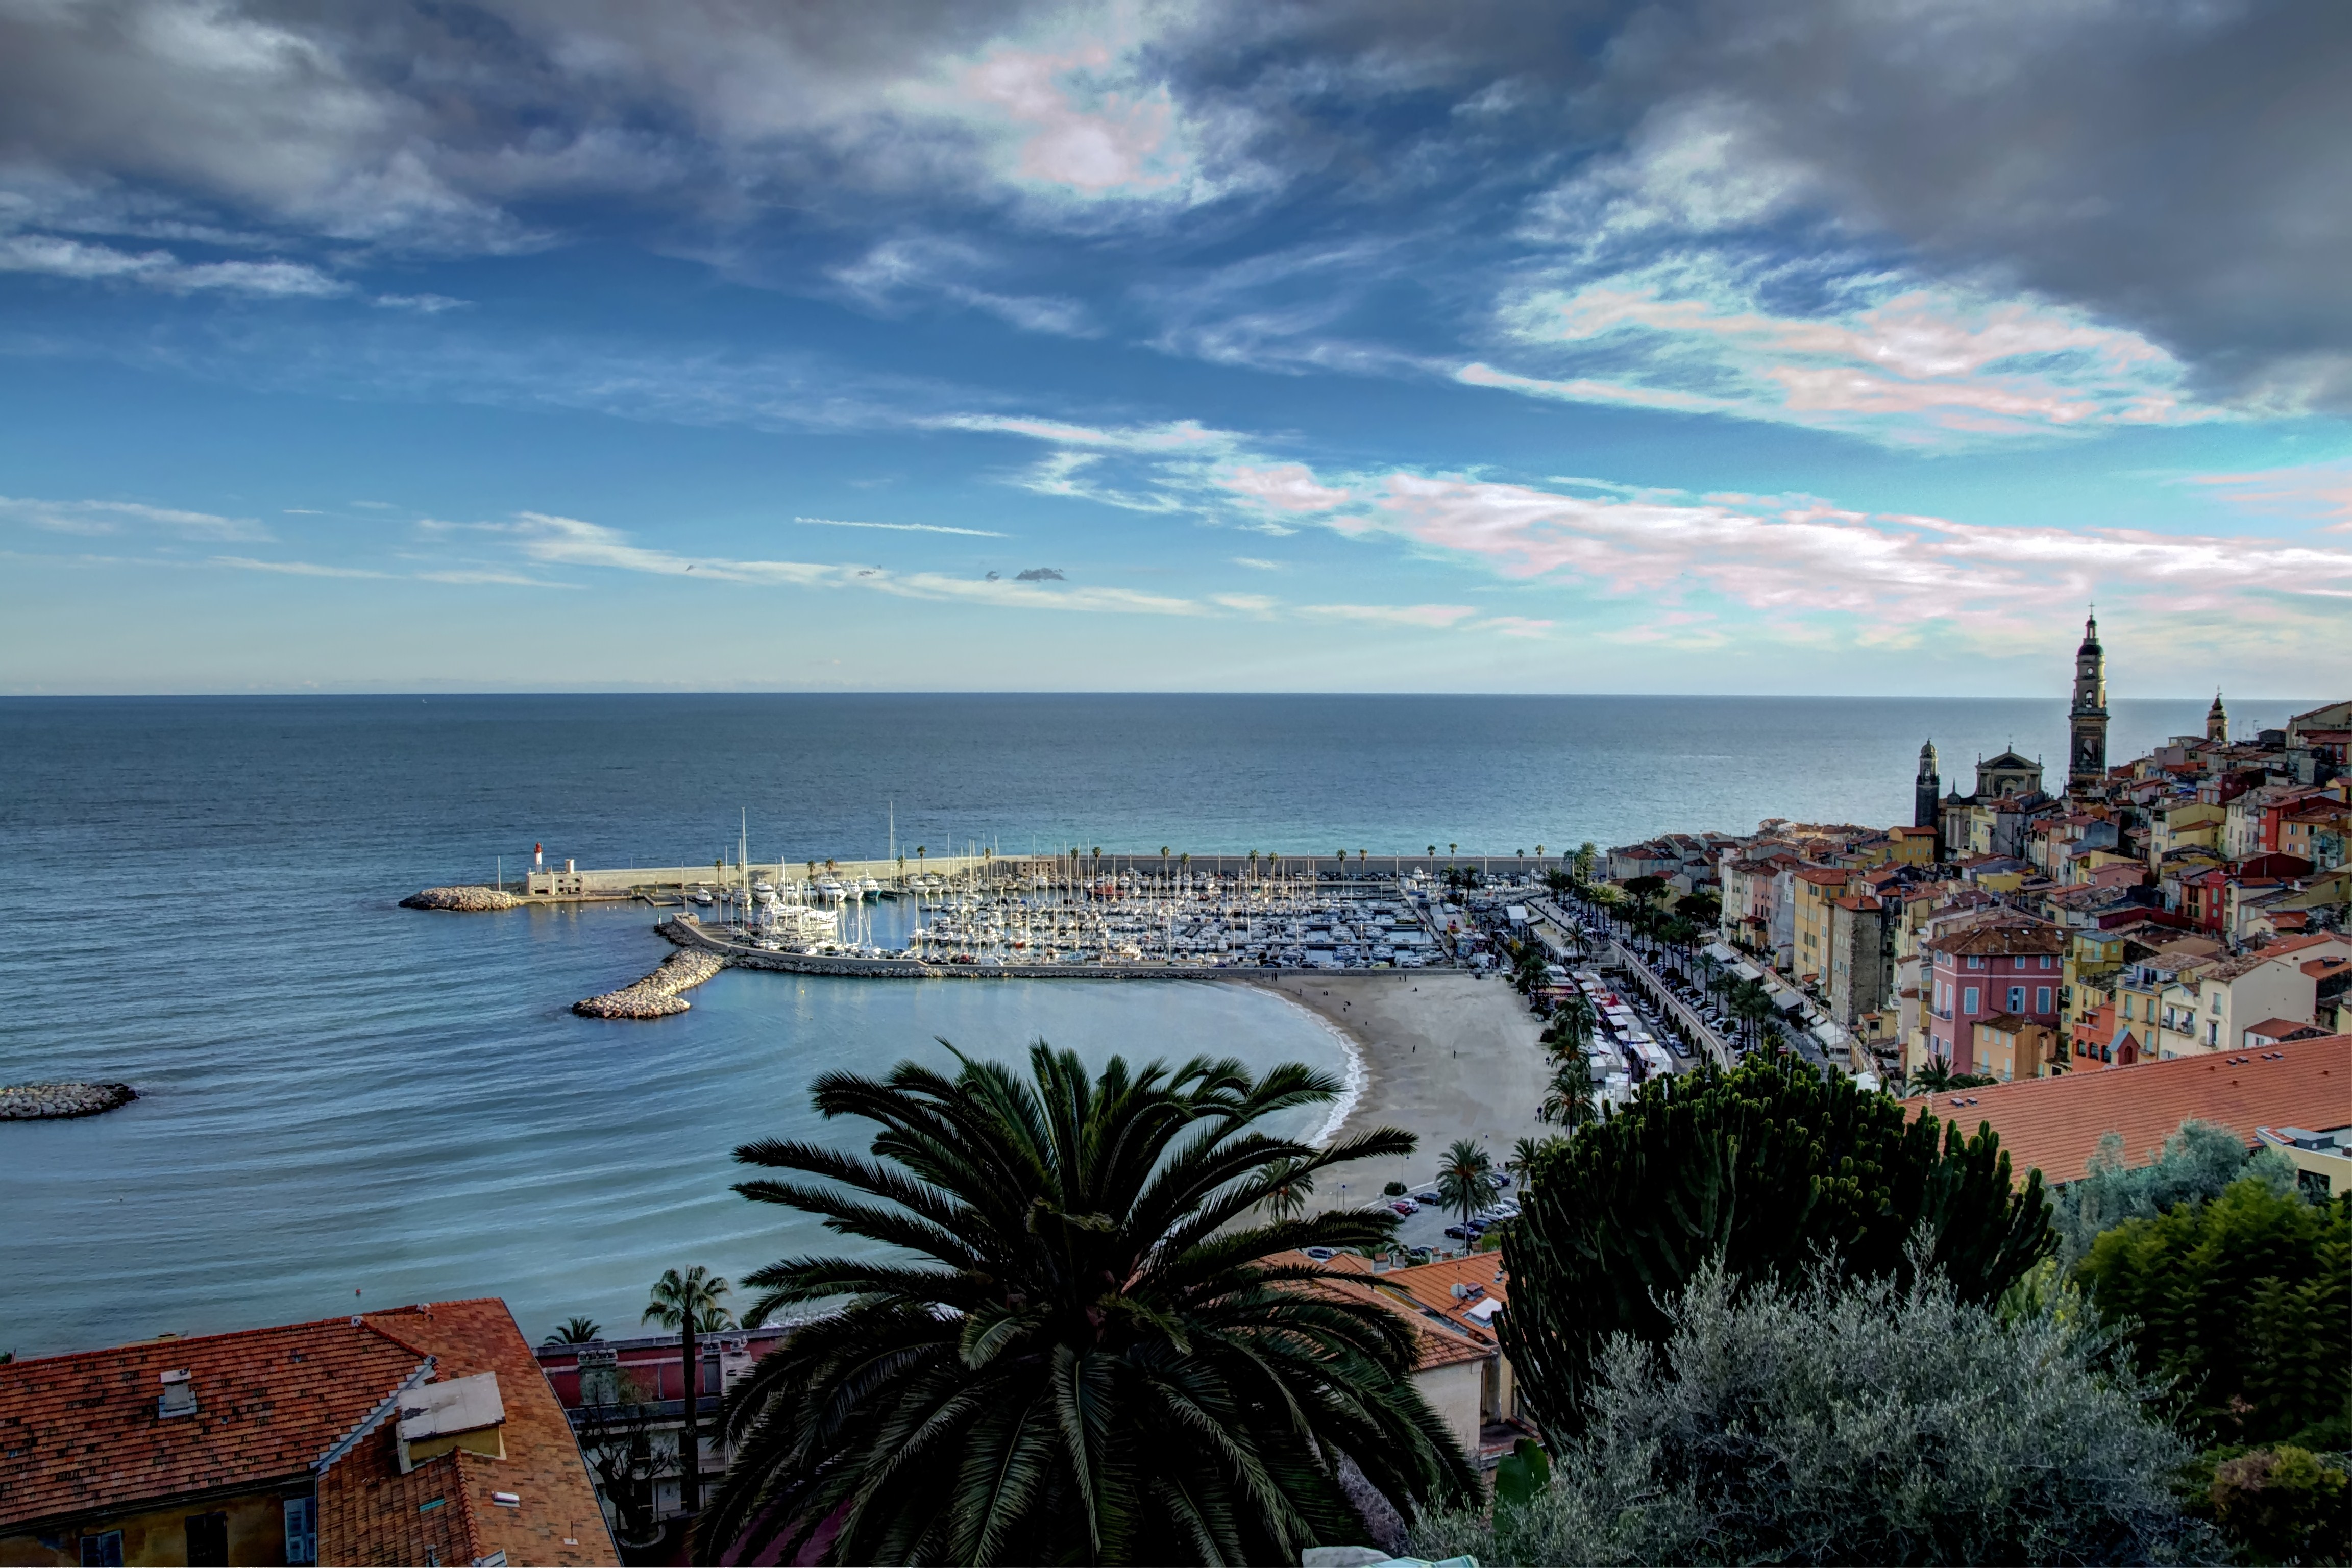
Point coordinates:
[[57, 1101], [468, 899], [656, 995]]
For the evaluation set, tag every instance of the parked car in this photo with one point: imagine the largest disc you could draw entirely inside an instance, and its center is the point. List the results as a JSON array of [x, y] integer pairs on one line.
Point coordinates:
[[1402, 1205], [1430, 1196], [1458, 1232], [1495, 1179]]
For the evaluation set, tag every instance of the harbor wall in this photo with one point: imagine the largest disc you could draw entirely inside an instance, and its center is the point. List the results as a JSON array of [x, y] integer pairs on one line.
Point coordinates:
[[555, 881]]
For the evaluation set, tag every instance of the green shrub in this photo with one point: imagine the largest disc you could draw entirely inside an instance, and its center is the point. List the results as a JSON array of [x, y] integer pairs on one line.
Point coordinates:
[[1860, 1421], [2243, 1303], [1764, 1169]]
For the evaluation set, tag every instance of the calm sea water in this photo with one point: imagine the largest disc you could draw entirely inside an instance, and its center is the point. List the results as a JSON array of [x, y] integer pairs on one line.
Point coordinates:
[[348, 1103]]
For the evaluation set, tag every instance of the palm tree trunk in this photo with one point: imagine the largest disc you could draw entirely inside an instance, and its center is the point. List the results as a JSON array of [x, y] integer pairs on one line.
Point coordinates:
[[689, 1443]]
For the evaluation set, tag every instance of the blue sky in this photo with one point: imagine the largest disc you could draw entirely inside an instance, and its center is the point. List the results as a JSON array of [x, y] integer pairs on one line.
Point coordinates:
[[1784, 348]]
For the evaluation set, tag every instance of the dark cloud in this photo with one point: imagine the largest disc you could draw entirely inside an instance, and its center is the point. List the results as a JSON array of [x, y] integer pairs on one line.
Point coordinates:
[[2174, 168]]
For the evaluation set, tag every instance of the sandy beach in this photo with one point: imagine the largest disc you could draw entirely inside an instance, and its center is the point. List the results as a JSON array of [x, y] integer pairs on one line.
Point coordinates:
[[1446, 1056]]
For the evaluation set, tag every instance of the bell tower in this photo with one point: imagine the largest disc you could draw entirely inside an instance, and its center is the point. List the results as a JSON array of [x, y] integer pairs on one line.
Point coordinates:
[[2087, 767], [1926, 795], [2217, 722]]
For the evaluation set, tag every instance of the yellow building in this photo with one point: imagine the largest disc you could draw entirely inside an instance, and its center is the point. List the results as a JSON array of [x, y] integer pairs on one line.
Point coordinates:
[[1815, 890], [2191, 825]]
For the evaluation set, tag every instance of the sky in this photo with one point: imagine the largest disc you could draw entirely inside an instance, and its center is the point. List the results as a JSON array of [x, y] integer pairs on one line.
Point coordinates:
[[1774, 346]]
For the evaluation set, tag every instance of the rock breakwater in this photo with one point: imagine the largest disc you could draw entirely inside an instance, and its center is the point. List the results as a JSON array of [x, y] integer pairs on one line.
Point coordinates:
[[656, 995], [55, 1101], [469, 900]]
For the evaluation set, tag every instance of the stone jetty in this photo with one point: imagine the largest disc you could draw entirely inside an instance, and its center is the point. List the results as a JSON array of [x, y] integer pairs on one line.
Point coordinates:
[[55, 1101], [470, 900], [656, 995]]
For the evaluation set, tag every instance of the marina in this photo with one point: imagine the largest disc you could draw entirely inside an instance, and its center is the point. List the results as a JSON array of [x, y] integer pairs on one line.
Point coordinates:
[[1073, 914]]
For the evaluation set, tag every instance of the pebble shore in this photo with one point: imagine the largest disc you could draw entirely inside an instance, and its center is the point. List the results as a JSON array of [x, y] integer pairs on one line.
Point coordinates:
[[656, 995], [469, 900], [53, 1101]]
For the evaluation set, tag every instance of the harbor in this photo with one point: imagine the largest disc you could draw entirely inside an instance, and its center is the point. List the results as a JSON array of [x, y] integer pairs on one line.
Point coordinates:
[[1073, 914]]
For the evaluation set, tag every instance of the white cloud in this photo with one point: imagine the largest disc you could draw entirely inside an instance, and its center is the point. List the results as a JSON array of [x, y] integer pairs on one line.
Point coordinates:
[[61, 258], [1429, 615], [1920, 365], [901, 527], [113, 516], [294, 568]]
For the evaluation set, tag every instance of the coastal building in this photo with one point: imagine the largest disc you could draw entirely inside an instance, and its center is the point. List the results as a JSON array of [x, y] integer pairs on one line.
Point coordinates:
[[2002, 963], [1459, 1363], [2086, 720], [2208, 1006], [1861, 978], [625, 1399], [2055, 1125], [421, 1434]]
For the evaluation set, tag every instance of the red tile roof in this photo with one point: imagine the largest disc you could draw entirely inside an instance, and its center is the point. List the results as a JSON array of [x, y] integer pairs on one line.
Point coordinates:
[[80, 1434], [2054, 1124], [370, 1513], [1437, 1344]]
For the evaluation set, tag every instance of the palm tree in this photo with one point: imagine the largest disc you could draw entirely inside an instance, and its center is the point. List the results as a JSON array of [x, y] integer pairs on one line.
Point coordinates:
[[1527, 1153], [1461, 1184], [1572, 1025], [576, 1331], [1091, 1354], [685, 1302], [1293, 1186], [1568, 1098]]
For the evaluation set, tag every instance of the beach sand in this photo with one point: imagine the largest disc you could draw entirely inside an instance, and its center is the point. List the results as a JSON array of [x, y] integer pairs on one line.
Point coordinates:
[[1446, 1054]]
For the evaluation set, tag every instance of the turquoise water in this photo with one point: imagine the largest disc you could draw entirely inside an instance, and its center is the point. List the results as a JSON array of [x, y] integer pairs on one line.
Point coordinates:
[[341, 1096]]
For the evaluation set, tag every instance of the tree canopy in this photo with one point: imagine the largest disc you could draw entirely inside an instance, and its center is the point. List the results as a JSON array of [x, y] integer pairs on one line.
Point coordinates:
[[1766, 1170], [2244, 1301]]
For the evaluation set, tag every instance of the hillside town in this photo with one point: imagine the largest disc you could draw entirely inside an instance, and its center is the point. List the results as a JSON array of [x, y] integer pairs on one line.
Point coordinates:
[[2192, 900]]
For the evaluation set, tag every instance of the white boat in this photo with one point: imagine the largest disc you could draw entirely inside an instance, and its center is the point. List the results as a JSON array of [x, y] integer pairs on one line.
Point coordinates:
[[833, 893], [872, 889], [701, 895]]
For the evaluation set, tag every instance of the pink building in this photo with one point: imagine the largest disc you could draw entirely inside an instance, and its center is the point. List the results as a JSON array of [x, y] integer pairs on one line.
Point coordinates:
[[2001, 964]]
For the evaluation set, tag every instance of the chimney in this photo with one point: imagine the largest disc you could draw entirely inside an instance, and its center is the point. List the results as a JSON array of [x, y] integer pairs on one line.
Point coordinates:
[[179, 1396]]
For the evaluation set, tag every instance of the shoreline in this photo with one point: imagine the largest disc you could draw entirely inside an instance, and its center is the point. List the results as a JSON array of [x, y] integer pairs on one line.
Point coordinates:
[[1443, 1054]]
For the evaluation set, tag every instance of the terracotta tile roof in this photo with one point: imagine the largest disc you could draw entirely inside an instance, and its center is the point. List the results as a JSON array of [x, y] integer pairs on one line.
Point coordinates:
[[371, 1514], [2054, 1124], [1825, 876], [1996, 935], [80, 1433], [1437, 1344], [382, 1516]]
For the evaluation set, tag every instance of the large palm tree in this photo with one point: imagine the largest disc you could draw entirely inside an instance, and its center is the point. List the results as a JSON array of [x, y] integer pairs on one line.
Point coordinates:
[[1461, 1184], [1092, 1356], [686, 1302]]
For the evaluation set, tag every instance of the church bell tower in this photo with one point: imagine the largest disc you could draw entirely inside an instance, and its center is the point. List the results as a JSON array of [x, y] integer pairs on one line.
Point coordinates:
[[1926, 795], [2217, 722], [2088, 719]]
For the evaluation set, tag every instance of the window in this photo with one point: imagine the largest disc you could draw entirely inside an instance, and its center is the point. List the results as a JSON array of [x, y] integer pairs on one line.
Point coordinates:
[[2042, 998], [2049, 962], [1968, 999], [1976, 961], [2017, 998], [301, 1530], [102, 1551]]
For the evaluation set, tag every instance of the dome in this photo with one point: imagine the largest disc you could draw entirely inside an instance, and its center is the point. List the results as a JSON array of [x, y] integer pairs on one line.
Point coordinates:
[[1927, 759], [2090, 635]]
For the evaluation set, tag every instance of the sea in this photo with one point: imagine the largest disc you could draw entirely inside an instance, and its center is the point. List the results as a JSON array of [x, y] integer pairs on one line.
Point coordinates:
[[347, 1105]]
